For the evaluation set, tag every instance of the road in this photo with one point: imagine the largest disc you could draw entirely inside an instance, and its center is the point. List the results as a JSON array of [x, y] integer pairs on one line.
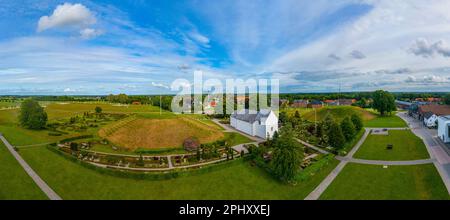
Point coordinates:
[[39, 182]]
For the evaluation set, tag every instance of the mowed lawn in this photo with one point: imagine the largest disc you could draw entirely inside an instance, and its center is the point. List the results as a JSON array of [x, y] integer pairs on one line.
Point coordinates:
[[147, 133], [364, 182], [14, 181], [406, 146], [236, 180], [391, 121]]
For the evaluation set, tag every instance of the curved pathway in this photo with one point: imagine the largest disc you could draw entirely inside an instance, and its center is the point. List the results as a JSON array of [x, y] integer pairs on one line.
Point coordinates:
[[39, 182]]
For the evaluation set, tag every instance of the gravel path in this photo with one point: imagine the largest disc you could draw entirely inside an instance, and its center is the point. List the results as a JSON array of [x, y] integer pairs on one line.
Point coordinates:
[[39, 182]]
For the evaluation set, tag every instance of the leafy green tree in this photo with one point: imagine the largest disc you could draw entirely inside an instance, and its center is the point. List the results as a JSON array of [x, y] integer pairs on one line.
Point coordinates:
[[297, 114], [447, 99], [32, 115], [98, 109], [383, 102], [357, 122], [287, 155], [336, 138], [348, 129], [283, 117]]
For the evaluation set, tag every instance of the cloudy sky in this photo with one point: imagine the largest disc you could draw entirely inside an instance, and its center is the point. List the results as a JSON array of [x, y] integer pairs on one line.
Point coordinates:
[[141, 47]]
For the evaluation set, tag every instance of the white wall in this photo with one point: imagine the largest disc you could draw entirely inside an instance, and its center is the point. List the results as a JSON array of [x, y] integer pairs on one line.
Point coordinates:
[[443, 129]]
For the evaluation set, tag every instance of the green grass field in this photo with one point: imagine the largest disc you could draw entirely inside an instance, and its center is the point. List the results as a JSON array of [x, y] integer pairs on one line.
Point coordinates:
[[391, 121], [236, 180], [407, 146], [364, 182], [15, 183]]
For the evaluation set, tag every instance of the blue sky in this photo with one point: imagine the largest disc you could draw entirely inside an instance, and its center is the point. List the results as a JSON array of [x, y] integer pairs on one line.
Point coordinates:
[[141, 47]]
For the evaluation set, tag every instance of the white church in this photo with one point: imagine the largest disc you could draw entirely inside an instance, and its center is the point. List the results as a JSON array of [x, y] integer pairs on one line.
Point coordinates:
[[263, 123]]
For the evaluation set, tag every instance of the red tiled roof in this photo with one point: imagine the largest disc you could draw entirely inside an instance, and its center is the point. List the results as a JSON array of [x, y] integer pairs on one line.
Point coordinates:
[[435, 109]]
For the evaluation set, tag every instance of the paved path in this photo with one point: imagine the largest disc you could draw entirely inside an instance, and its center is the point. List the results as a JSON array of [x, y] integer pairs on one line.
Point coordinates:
[[315, 194], [434, 147], [39, 182]]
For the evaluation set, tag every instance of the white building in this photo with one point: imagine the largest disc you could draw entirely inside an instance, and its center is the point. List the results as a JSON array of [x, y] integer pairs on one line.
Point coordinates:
[[261, 124], [444, 128], [430, 120]]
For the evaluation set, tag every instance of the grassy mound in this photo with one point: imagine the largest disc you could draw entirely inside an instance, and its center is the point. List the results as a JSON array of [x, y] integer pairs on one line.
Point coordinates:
[[148, 133], [339, 113]]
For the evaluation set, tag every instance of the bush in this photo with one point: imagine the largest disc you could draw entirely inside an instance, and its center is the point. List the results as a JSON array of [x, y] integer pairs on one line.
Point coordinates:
[[191, 144]]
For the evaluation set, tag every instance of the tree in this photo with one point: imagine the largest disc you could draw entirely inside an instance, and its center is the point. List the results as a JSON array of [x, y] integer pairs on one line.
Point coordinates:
[[98, 109], [383, 102], [287, 155], [32, 115], [335, 137], [283, 117], [447, 99], [297, 114], [348, 129], [357, 122]]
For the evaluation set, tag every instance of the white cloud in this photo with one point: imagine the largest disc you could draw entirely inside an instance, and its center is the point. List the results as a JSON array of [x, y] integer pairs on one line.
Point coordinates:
[[69, 90], [89, 33], [199, 38], [160, 85], [67, 15], [422, 47]]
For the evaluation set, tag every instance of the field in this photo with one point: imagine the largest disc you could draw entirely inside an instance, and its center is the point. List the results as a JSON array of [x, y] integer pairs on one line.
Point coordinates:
[[233, 180], [14, 182], [406, 146], [65, 110], [357, 181], [338, 113], [161, 133], [391, 121]]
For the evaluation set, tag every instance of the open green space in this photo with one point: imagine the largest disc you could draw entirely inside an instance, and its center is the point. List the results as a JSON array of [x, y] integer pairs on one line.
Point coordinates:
[[364, 182], [15, 183], [406, 146], [389, 121], [236, 180]]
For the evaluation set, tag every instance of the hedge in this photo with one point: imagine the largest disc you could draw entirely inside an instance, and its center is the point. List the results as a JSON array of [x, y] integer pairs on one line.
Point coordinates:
[[76, 138]]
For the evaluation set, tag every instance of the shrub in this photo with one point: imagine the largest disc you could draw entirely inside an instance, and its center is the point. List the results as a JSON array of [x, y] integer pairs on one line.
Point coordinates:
[[191, 144]]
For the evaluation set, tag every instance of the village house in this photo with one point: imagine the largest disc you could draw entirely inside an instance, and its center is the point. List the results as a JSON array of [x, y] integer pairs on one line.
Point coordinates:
[[347, 102], [434, 109], [315, 104], [300, 103], [263, 123], [403, 104], [330, 102]]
